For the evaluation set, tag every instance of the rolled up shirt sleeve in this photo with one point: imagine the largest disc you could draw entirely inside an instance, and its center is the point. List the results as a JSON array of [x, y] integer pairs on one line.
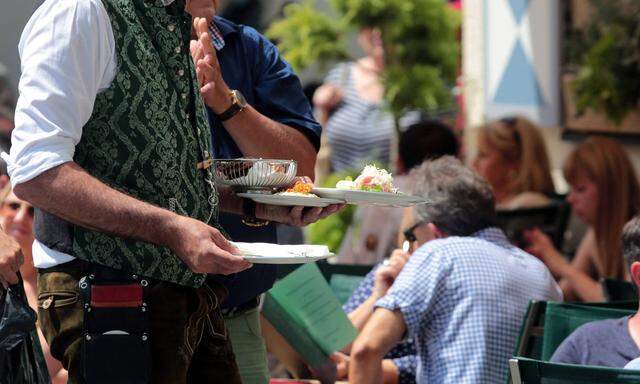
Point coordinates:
[[418, 289], [67, 58]]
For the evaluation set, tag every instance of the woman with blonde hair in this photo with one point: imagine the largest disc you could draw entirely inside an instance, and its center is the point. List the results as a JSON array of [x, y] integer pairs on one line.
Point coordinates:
[[605, 194], [512, 156]]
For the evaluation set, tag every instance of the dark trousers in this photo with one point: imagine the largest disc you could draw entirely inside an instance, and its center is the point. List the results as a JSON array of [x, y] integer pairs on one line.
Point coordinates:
[[188, 338]]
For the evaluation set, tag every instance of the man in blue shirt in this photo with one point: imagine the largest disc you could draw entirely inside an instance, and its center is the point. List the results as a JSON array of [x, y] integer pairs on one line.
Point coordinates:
[[256, 109], [462, 294]]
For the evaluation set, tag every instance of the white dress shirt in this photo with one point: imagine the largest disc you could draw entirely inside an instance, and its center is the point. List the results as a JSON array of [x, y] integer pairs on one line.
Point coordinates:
[[67, 53]]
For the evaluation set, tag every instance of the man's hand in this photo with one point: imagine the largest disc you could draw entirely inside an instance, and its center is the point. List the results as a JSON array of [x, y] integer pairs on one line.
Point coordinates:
[[387, 273], [10, 260], [204, 249], [214, 90], [296, 216], [541, 246], [342, 364]]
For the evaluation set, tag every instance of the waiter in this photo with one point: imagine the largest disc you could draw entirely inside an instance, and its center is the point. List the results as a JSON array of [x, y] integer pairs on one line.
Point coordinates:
[[112, 146]]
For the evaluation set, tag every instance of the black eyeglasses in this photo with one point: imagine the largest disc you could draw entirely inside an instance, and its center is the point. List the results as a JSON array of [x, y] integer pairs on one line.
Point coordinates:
[[408, 233]]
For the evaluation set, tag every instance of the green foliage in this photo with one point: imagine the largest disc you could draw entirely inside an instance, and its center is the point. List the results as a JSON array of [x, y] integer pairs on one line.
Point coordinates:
[[419, 37], [306, 36], [608, 71], [368, 13], [331, 230]]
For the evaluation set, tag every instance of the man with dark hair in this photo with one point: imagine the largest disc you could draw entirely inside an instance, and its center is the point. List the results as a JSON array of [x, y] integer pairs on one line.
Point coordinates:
[[462, 294], [612, 342], [426, 140]]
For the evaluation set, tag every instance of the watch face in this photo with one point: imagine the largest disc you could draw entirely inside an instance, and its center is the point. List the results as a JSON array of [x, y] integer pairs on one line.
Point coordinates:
[[241, 101]]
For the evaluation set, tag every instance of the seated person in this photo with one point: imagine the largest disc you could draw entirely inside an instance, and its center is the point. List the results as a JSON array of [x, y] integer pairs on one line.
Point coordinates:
[[613, 342], [462, 294], [605, 194], [512, 156], [373, 234]]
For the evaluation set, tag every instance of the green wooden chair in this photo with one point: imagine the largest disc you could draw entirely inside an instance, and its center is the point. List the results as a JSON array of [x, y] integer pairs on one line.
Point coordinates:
[[531, 371], [343, 278], [561, 319], [547, 324], [564, 318]]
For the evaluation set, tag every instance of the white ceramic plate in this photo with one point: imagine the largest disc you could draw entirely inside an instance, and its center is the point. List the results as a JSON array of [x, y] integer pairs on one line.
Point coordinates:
[[369, 198], [265, 253], [290, 201]]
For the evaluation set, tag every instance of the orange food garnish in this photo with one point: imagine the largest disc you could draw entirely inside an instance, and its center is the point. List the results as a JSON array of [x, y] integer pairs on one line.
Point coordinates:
[[301, 187]]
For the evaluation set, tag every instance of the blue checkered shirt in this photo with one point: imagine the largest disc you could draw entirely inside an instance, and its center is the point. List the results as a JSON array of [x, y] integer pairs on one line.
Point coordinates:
[[463, 300]]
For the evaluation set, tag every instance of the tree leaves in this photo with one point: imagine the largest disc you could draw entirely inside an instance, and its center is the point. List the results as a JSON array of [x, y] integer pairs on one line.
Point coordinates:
[[421, 45]]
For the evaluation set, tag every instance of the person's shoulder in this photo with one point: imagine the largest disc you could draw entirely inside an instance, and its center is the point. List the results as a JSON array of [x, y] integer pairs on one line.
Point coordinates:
[[594, 331], [248, 34], [80, 7], [68, 16]]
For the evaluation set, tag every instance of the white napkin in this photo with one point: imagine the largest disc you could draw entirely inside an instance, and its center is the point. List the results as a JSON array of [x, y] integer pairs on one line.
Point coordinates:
[[277, 250]]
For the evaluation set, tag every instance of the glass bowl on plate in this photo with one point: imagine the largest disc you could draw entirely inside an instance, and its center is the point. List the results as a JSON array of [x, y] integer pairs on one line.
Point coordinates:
[[254, 175]]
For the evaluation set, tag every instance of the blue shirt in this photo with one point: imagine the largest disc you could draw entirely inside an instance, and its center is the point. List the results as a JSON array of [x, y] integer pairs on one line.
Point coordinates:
[[605, 343], [404, 353], [252, 64], [463, 300]]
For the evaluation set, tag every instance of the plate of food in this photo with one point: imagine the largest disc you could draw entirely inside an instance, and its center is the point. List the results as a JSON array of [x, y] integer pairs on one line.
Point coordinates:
[[298, 195], [267, 253], [374, 186]]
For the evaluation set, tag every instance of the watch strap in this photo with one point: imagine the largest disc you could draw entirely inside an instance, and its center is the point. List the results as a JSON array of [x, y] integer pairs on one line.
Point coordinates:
[[230, 112]]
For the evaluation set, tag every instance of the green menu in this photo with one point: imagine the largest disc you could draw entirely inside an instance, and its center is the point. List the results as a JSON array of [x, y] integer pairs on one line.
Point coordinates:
[[305, 311]]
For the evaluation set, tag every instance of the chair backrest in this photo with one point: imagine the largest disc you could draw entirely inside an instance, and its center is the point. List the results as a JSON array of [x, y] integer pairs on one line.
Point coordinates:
[[344, 285], [533, 331], [343, 278], [551, 219], [531, 371], [618, 290], [561, 319]]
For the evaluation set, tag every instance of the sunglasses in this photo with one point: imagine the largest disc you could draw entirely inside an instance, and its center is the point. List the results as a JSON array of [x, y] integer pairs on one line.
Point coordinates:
[[14, 207], [409, 234]]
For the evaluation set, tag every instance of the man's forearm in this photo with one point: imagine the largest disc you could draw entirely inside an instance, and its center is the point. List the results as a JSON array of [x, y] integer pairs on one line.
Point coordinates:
[[361, 314], [69, 192], [259, 136]]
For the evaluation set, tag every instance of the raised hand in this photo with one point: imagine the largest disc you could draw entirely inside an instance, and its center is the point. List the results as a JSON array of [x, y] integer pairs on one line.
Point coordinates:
[[387, 273], [214, 90]]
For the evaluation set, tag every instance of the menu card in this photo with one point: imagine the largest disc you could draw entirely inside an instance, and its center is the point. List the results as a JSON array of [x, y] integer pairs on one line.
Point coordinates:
[[305, 311]]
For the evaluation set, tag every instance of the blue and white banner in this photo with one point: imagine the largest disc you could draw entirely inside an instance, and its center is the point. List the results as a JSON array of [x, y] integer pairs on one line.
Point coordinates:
[[522, 56]]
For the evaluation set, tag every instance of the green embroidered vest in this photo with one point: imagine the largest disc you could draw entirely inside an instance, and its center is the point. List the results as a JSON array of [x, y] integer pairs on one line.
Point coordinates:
[[147, 133]]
